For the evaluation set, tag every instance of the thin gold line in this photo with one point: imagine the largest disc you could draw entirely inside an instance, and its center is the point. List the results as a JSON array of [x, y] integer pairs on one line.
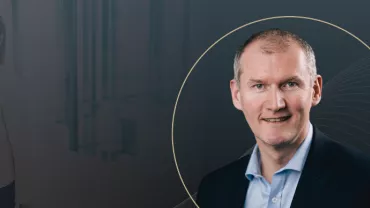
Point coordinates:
[[227, 34]]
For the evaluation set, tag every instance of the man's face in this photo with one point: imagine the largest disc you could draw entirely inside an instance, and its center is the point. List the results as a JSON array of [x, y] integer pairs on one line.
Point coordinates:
[[276, 85]]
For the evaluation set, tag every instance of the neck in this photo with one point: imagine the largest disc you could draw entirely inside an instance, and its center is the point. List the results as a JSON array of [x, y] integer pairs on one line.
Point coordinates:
[[274, 158]]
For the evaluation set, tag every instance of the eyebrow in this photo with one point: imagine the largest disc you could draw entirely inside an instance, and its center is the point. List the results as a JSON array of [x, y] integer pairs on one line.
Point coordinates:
[[251, 80]]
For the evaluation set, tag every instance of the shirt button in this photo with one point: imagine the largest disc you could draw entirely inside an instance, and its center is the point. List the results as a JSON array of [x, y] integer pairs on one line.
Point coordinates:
[[275, 200]]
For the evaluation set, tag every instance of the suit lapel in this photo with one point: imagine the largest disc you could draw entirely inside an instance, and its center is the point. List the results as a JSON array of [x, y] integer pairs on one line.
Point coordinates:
[[312, 183], [311, 186], [237, 198], [238, 185]]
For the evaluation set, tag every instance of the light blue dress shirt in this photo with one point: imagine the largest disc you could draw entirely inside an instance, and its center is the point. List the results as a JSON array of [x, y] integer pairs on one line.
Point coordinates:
[[278, 194]]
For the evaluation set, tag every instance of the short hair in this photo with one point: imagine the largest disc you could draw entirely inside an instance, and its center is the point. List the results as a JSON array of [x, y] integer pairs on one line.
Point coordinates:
[[277, 41]]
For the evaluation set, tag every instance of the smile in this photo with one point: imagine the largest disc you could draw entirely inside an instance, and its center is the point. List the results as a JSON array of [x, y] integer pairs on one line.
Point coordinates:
[[275, 120]]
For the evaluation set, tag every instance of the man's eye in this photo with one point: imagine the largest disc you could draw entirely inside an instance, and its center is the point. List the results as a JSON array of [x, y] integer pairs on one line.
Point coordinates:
[[258, 86], [291, 84]]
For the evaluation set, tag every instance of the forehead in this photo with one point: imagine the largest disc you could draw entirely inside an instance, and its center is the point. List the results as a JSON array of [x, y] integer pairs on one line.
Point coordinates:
[[276, 63]]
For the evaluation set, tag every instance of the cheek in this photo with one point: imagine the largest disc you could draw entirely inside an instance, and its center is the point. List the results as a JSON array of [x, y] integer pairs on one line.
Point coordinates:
[[251, 104], [300, 102]]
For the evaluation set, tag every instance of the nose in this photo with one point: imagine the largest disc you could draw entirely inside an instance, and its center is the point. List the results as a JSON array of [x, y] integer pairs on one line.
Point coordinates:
[[276, 100]]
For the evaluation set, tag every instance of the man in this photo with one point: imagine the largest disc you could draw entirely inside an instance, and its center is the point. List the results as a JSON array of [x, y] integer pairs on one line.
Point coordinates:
[[293, 164]]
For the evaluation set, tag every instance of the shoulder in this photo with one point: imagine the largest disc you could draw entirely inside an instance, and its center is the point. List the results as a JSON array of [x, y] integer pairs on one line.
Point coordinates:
[[221, 181], [345, 167], [351, 171], [347, 156], [335, 153], [233, 170]]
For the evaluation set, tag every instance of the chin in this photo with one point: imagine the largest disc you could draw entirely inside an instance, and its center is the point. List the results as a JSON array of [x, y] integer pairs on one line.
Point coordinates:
[[277, 141]]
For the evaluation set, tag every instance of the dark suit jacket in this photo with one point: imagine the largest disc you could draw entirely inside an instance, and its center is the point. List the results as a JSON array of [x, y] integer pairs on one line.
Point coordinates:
[[333, 176]]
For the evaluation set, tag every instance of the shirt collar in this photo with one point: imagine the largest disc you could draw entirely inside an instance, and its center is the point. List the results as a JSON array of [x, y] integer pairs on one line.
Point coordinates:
[[296, 163]]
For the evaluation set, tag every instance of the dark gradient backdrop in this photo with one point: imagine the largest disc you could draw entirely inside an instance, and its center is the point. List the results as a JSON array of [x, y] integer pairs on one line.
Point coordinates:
[[88, 89]]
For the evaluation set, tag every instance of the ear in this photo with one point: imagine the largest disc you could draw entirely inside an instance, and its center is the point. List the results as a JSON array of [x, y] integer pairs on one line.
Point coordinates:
[[235, 94], [317, 90]]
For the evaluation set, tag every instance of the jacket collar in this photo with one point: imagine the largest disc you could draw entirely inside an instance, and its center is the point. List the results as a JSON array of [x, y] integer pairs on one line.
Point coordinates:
[[310, 182]]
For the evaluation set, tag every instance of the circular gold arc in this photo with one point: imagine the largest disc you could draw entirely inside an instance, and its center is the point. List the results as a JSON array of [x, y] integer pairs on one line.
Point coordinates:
[[245, 25]]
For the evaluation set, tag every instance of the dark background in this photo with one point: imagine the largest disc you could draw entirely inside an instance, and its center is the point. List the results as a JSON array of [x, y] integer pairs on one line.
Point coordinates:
[[88, 88]]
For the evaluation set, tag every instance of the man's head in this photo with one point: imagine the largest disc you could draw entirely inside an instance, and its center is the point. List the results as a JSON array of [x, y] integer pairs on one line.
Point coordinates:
[[275, 77]]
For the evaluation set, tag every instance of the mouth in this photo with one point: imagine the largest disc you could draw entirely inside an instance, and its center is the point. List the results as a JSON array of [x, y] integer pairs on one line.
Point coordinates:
[[277, 120]]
